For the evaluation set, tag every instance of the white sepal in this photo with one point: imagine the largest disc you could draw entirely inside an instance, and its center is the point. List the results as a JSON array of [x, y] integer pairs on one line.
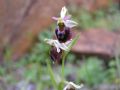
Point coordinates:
[[63, 12], [71, 85], [70, 23], [68, 42], [58, 45], [49, 41]]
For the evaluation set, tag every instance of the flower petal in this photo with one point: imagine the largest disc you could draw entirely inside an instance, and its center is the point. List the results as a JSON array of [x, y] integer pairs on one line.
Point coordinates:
[[63, 12], [49, 41], [55, 18], [67, 17], [63, 47], [72, 86], [68, 42], [57, 44], [70, 23]]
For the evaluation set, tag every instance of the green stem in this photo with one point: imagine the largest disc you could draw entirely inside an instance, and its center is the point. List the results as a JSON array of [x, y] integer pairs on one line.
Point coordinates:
[[118, 65], [52, 75], [65, 54], [63, 65], [118, 69], [117, 59]]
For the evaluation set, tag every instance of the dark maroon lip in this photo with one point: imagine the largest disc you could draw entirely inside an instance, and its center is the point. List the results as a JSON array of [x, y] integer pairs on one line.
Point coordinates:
[[63, 35], [55, 56]]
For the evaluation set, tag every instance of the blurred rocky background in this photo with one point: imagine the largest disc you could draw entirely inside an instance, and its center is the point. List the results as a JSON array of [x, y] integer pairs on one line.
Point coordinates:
[[94, 59], [22, 20]]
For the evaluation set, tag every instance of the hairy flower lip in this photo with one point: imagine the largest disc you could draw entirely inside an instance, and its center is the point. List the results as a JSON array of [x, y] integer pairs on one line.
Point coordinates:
[[64, 18], [59, 46], [55, 56], [63, 34]]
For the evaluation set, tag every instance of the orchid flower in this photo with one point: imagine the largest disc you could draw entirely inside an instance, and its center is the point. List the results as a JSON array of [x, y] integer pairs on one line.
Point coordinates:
[[63, 35], [64, 18], [59, 46], [57, 49], [72, 86], [64, 25]]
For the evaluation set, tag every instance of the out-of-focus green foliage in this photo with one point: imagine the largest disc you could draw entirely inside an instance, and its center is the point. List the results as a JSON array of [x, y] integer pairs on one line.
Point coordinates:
[[40, 52], [93, 72], [100, 19], [111, 72], [2, 71]]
